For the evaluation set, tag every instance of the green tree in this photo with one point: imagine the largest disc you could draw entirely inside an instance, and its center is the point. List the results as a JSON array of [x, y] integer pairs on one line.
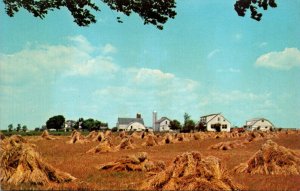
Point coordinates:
[[189, 124], [241, 6], [88, 124], [175, 125], [24, 128], [18, 127], [55, 122], [10, 127], [155, 12]]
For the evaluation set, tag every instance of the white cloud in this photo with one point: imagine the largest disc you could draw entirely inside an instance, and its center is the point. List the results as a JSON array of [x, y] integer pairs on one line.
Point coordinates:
[[108, 48], [94, 66], [146, 75], [42, 63], [213, 53], [284, 60]]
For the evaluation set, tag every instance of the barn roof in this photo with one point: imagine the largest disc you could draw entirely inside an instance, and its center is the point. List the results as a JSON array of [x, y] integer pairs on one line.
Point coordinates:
[[126, 121], [254, 120]]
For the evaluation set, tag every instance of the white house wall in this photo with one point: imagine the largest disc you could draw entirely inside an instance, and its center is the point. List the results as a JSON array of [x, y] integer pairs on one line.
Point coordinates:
[[218, 119], [135, 126], [262, 125], [164, 125]]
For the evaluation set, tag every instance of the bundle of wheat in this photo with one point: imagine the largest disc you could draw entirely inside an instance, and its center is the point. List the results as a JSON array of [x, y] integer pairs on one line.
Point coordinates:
[[2, 137], [190, 171], [103, 147], [254, 136], [272, 159], [126, 143], [137, 162], [77, 138], [181, 137], [198, 136], [99, 137], [136, 135], [122, 134], [21, 163], [168, 139], [92, 135], [151, 141], [108, 133], [45, 135], [228, 145]]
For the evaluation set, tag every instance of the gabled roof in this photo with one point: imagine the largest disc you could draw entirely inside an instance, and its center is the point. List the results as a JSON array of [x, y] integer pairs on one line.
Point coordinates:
[[214, 116], [255, 120], [162, 119], [126, 121], [210, 115]]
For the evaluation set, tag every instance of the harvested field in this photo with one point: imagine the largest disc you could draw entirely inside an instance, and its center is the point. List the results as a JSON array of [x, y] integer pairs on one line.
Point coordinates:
[[73, 159]]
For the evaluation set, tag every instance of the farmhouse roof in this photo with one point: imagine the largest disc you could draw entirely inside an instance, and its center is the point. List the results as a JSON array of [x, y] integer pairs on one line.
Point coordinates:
[[162, 119], [126, 121]]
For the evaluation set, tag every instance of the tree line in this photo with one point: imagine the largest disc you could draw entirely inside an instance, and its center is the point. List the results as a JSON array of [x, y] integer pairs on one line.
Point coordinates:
[[59, 122], [18, 128]]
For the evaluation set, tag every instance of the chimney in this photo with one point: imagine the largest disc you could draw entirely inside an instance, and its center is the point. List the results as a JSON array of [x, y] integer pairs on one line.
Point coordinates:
[[154, 119], [138, 116]]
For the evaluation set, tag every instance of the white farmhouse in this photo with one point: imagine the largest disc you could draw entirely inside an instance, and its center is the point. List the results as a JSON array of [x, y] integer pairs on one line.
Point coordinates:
[[131, 124], [163, 124], [261, 124], [214, 122]]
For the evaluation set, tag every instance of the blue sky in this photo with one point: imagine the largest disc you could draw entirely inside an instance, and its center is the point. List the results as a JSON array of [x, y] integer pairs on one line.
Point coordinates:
[[206, 60]]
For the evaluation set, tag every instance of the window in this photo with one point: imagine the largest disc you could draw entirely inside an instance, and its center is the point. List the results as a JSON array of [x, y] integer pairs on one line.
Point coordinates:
[[262, 120], [166, 122], [218, 118], [224, 126]]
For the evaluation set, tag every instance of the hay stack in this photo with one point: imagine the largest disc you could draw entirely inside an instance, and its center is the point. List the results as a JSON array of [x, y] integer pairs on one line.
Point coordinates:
[[228, 145], [122, 134], [168, 139], [2, 137], [137, 162], [103, 147], [272, 159], [21, 163], [45, 135], [126, 143], [107, 133], [92, 135], [99, 137], [181, 137], [136, 135], [151, 141], [254, 136], [77, 138], [190, 171]]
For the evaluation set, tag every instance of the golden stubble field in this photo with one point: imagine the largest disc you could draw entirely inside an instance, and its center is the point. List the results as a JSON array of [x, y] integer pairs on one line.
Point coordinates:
[[73, 159]]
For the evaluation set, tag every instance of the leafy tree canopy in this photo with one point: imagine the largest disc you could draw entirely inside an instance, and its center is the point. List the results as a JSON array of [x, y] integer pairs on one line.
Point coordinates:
[[55, 122], [175, 125], [241, 6], [155, 12]]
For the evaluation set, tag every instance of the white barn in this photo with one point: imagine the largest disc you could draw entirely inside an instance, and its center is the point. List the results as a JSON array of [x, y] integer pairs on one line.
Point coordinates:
[[261, 124], [214, 122], [131, 124]]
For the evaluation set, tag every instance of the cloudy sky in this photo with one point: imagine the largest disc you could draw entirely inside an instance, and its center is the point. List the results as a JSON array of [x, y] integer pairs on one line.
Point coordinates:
[[207, 60]]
